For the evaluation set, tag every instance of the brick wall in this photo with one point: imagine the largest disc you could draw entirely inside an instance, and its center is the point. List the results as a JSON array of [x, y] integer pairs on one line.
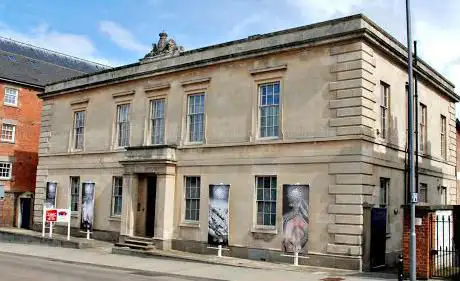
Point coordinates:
[[23, 153], [7, 210], [423, 236]]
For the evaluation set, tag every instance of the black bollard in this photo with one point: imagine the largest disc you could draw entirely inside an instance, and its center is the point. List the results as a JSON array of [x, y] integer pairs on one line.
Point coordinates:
[[400, 268]]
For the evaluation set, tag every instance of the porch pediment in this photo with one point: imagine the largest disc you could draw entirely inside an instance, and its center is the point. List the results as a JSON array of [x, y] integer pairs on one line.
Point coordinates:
[[152, 154]]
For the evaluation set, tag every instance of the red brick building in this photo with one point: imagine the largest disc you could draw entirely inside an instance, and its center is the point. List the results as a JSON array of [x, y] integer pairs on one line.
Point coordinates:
[[24, 71]]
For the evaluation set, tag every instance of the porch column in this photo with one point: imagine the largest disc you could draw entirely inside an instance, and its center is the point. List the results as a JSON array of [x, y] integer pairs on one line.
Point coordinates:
[[164, 213], [129, 195]]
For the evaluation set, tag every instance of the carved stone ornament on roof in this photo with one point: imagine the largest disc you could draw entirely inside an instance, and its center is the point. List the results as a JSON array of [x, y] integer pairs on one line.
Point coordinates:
[[164, 48]]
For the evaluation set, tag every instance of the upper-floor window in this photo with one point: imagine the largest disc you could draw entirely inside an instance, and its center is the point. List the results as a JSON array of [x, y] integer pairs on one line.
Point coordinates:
[[384, 109], [266, 200], [269, 109], [8, 132], [443, 137], [423, 128], [5, 170], [196, 117], [123, 125], [79, 129], [157, 119], [74, 193], [11, 96]]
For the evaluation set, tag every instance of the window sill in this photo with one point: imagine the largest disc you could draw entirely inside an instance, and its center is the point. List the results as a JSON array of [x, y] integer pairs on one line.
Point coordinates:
[[388, 235], [10, 105], [190, 224], [115, 218], [7, 141], [265, 229], [5, 179], [119, 148], [195, 143], [262, 139], [74, 214], [72, 150]]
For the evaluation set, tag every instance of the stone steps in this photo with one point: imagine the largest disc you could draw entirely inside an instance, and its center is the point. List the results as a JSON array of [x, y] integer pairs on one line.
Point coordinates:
[[137, 243]]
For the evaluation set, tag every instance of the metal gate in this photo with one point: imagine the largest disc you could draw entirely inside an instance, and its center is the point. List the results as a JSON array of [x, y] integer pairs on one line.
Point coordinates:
[[444, 259]]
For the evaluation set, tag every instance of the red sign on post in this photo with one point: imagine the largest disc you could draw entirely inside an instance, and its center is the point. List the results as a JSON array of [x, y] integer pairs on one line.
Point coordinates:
[[51, 215]]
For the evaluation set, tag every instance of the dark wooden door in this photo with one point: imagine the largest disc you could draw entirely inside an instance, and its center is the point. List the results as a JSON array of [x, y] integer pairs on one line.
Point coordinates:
[[378, 237], [25, 212], [150, 210]]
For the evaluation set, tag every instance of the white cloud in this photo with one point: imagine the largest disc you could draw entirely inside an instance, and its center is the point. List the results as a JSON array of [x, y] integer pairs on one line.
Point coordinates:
[[67, 43], [122, 37]]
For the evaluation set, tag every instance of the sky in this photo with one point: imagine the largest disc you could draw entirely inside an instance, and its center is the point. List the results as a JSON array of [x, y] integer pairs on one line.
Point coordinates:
[[117, 32]]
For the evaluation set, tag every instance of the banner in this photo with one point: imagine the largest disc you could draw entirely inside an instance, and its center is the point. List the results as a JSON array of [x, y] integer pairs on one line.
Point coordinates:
[[50, 195], [87, 206], [57, 215], [295, 217], [218, 214]]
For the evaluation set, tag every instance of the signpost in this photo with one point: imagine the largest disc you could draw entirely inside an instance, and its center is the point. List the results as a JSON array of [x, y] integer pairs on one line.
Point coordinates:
[[53, 216]]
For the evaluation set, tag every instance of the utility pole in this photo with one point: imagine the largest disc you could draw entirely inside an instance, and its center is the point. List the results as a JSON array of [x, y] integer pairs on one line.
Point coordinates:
[[413, 194]]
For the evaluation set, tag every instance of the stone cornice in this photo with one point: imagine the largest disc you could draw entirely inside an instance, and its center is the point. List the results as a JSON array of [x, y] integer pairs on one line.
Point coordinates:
[[353, 27]]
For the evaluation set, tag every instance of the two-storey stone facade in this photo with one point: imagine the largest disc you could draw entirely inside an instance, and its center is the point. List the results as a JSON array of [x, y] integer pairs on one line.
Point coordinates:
[[323, 105]]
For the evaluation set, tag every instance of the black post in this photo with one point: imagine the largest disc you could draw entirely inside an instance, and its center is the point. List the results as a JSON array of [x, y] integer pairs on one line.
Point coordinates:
[[416, 116], [400, 268]]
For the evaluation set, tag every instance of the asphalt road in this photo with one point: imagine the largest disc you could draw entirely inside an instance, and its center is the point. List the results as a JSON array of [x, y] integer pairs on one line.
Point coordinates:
[[24, 268]]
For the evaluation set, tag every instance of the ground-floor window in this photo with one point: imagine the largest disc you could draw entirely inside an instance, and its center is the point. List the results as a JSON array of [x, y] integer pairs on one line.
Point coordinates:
[[117, 191], [266, 200], [74, 193], [192, 198]]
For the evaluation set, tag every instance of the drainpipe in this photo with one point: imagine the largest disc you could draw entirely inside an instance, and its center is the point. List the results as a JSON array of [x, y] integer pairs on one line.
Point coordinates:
[[416, 117]]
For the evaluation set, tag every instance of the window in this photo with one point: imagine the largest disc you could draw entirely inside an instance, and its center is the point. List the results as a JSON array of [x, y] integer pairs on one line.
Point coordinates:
[[8, 132], [117, 195], [192, 198], [196, 118], [423, 123], [266, 200], [79, 129], [11, 96], [423, 193], [443, 138], [157, 119], [5, 170], [269, 109], [384, 109], [384, 199], [123, 125], [384, 192], [74, 193]]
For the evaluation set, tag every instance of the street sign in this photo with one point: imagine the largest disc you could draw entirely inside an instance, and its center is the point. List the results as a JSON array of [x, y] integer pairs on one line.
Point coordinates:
[[57, 215], [51, 215], [414, 197]]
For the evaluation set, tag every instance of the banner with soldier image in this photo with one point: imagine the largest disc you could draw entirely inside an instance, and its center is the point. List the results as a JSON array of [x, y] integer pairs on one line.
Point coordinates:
[[87, 206], [295, 217], [50, 195], [218, 220]]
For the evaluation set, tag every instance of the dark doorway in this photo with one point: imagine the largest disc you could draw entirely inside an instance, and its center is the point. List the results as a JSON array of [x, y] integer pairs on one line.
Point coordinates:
[[150, 210], [25, 204], [378, 238]]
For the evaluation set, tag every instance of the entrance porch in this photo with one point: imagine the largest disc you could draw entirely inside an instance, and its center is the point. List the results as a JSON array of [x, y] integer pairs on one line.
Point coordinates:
[[148, 195]]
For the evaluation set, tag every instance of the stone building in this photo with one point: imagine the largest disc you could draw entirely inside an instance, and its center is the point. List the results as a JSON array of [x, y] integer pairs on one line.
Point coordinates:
[[24, 71], [323, 105]]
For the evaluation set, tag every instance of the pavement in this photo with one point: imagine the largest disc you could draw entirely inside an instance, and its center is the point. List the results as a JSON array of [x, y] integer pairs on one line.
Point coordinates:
[[97, 263]]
